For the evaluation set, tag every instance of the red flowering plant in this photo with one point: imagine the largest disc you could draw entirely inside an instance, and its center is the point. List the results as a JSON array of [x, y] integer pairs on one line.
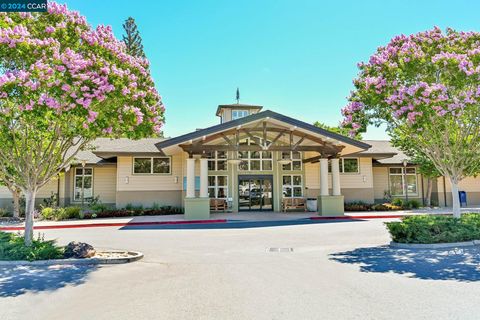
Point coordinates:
[[426, 88], [63, 84]]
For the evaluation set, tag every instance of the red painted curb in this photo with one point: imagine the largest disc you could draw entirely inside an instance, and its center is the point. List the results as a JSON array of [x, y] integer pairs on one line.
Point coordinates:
[[114, 224], [358, 217]]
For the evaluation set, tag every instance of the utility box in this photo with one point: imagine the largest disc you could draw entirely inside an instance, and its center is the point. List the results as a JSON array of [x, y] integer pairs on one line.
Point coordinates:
[[463, 198]]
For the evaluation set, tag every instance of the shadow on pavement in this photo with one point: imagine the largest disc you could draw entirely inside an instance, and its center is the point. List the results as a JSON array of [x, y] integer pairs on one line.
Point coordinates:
[[235, 224], [18, 280], [460, 264]]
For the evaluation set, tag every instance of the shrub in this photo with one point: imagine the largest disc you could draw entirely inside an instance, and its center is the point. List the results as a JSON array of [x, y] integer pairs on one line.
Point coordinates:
[[4, 213], [12, 247], [72, 213], [48, 213], [357, 206], [435, 229], [60, 213], [398, 202], [413, 204], [99, 207], [50, 201]]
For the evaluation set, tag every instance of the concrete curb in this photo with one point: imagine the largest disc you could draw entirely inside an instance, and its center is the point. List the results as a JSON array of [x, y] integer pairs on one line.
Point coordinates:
[[347, 217], [434, 245], [112, 224], [135, 256]]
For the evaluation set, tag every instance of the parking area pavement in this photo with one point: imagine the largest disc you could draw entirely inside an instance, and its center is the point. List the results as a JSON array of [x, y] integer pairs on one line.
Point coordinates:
[[249, 270]]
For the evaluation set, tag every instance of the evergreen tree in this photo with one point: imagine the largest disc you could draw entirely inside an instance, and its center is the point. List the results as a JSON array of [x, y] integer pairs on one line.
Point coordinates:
[[132, 38]]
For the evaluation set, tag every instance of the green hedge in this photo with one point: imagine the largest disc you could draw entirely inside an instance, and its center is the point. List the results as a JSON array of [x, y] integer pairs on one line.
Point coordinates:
[[60, 213], [435, 229], [12, 247]]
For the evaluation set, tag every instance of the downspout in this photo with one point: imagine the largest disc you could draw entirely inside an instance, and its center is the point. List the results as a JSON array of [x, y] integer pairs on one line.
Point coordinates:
[[423, 193], [58, 191], [444, 192]]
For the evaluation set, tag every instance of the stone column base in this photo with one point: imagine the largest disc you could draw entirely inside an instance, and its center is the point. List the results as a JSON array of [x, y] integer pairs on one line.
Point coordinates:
[[330, 206], [197, 208]]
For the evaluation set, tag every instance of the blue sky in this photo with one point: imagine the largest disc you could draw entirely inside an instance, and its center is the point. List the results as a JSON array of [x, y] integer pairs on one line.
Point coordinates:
[[294, 57]]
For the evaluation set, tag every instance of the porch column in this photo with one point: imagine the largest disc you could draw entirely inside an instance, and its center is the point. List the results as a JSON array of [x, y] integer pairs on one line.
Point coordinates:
[[336, 176], [203, 178], [190, 178], [324, 177]]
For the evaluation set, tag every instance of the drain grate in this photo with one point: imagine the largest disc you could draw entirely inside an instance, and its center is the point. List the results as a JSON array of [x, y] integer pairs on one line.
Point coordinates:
[[279, 249]]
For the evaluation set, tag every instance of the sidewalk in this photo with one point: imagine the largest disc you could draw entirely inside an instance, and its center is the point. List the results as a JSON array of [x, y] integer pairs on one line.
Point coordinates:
[[225, 217]]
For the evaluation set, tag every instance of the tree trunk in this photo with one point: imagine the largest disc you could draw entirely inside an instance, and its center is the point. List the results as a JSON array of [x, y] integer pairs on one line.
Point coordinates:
[[16, 203], [29, 210], [455, 198], [428, 199]]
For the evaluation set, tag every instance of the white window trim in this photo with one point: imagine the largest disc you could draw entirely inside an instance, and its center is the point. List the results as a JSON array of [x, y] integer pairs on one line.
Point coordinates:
[[151, 166], [75, 180], [245, 113], [216, 159], [261, 159], [403, 181], [291, 163], [342, 167], [293, 185], [216, 186]]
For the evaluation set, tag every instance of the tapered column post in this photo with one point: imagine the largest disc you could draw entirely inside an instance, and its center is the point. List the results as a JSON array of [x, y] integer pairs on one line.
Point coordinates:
[[324, 177], [336, 177], [203, 178], [190, 178]]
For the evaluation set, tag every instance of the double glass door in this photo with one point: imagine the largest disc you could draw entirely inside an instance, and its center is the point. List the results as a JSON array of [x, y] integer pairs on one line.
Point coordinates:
[[255, 193]]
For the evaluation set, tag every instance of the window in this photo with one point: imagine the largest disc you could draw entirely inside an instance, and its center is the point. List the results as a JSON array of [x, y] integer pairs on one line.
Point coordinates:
[[397, 181], [218, 187], [217, 160], [292, 186], [255, 160], [83, 184], [296, 164], [152, 165], [237, 114], [347, 165]]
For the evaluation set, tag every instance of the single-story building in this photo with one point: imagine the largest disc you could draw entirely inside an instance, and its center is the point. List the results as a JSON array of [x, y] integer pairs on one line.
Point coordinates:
[[252, 160]]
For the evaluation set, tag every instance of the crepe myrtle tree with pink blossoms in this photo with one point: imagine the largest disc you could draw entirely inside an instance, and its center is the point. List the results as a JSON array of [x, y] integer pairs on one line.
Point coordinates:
[[63, 84], [426, 88]]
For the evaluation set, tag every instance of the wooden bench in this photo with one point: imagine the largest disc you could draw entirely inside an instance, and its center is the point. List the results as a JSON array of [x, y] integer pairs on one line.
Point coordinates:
[[294, 203], [218, 205]]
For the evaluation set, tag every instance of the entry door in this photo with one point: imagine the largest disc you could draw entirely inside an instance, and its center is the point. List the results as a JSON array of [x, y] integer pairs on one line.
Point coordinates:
[[255, 193]]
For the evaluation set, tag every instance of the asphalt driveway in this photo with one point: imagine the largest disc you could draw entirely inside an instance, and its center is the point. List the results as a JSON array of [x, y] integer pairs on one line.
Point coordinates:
[[331, 270]]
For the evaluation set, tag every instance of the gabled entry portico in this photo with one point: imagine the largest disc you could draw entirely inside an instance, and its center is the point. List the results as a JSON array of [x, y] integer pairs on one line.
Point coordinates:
[[259, 160]]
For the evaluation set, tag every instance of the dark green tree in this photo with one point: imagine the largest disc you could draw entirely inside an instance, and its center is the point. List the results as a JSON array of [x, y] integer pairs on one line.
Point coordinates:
[[132, 38], [339, 130]]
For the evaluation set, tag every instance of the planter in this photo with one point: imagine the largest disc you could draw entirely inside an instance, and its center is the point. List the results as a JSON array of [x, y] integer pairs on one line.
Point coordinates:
[[103, 257]]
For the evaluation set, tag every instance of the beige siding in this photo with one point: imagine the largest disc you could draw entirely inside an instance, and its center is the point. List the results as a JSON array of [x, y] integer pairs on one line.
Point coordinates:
[[4, 192], [470, 184], [363, 179], [380, 181], [105, 183], [146, 182], [44, 192]]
